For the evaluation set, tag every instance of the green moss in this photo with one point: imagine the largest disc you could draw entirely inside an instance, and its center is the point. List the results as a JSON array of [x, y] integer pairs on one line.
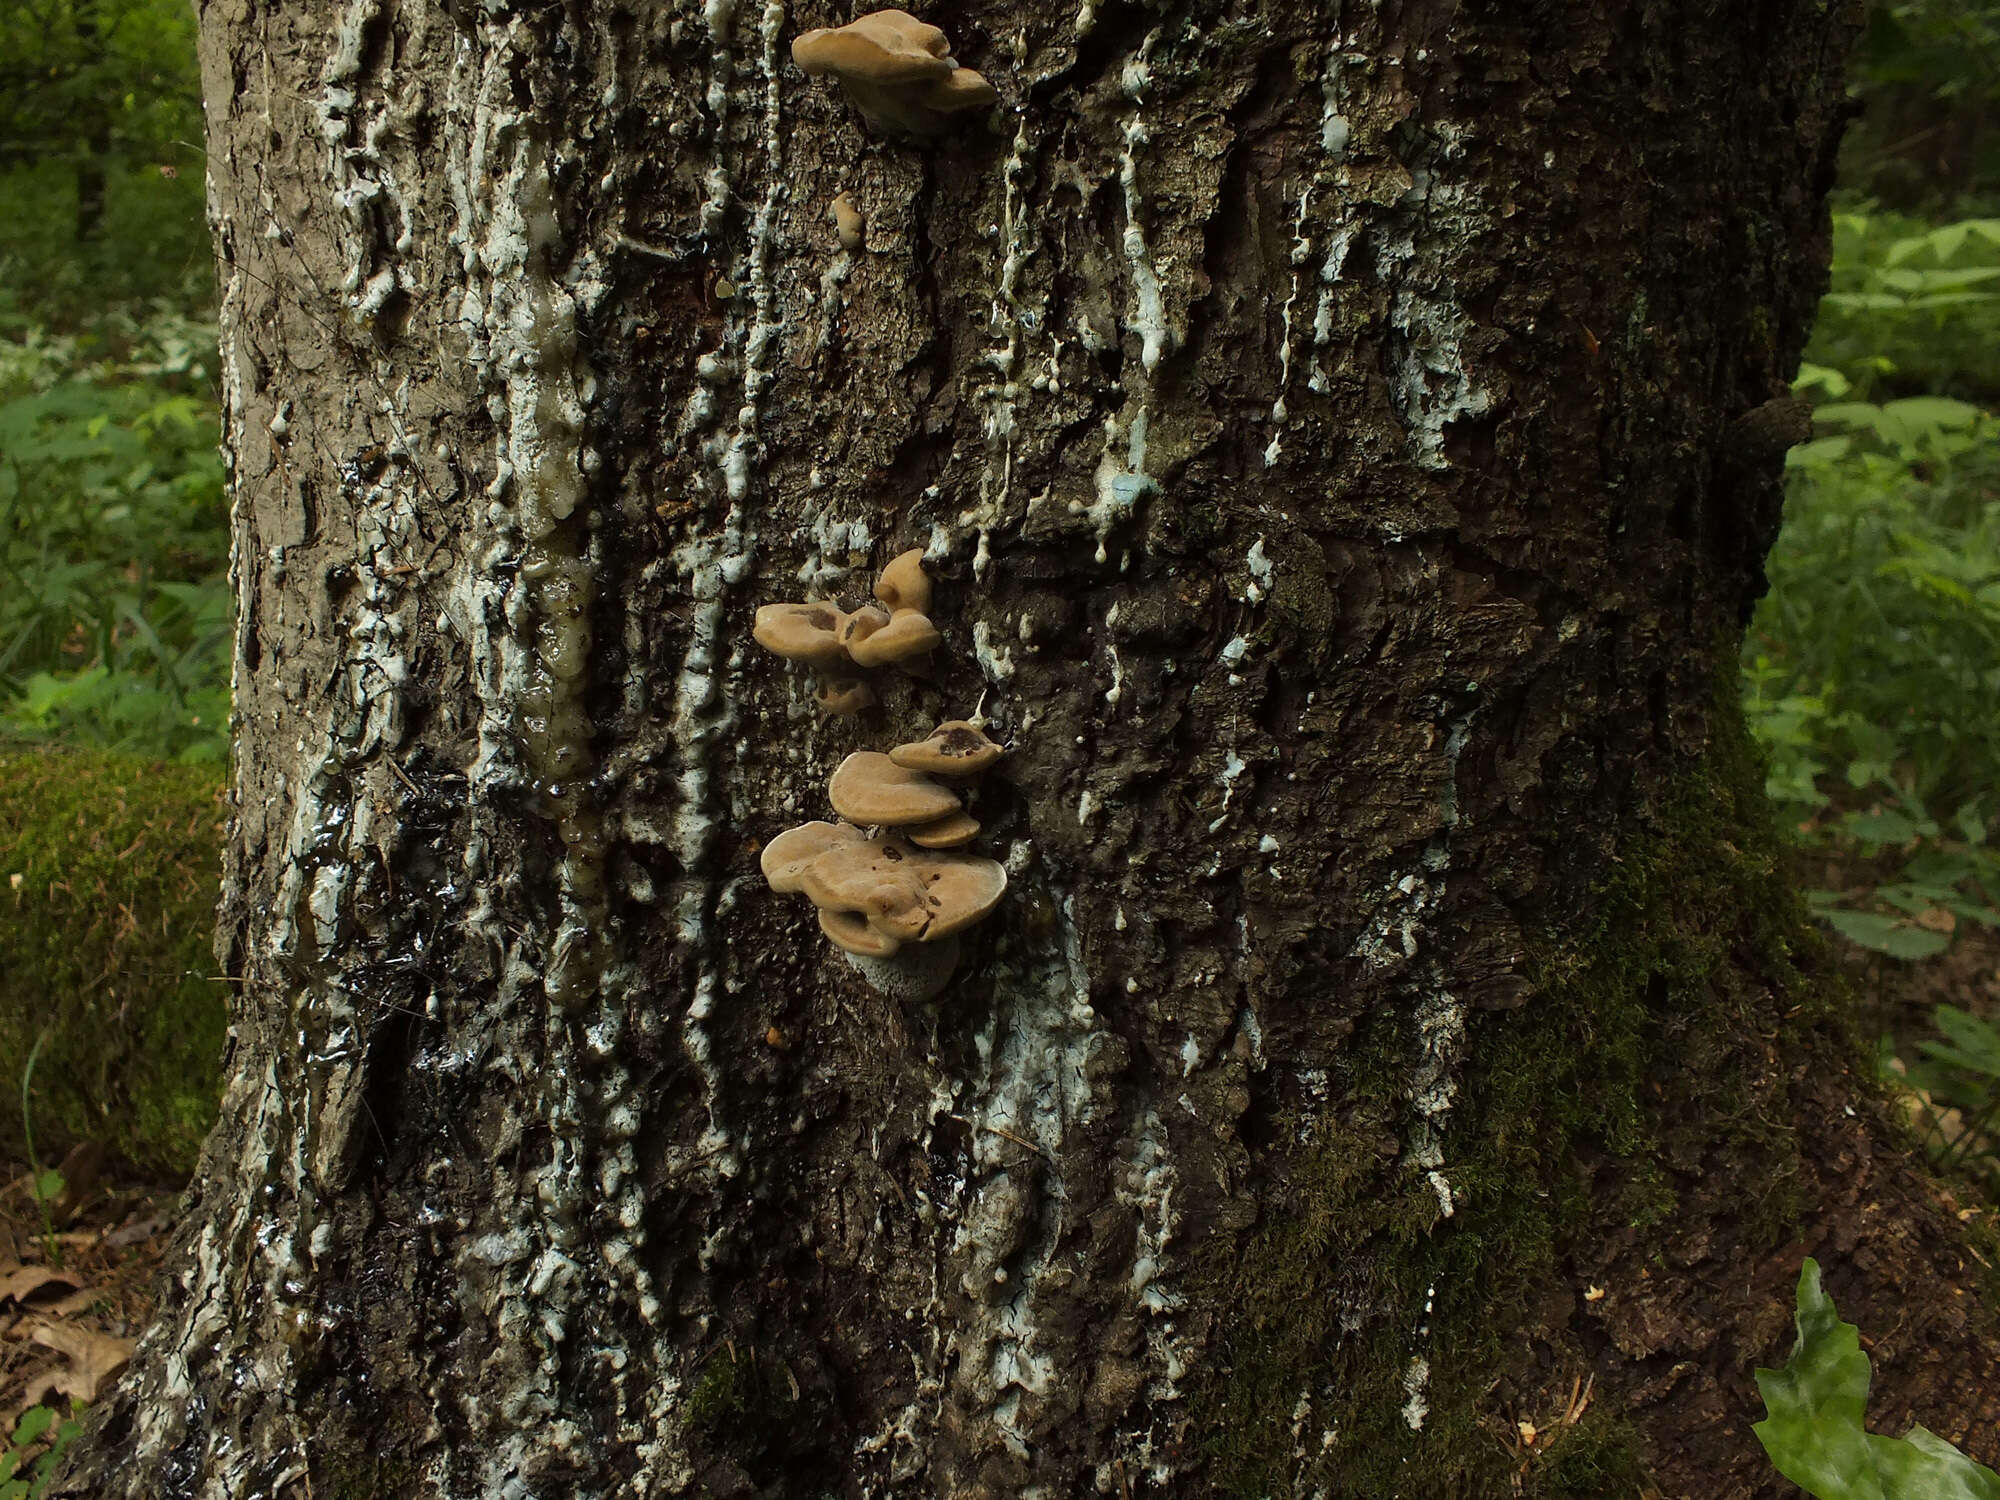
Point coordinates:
[[1642, 1055], [110, 866], [733, 1386]]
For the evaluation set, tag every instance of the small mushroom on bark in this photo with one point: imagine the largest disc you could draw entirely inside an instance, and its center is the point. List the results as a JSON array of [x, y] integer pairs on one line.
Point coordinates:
[[897, 71], [809, 633], [904, 584], [870, 788], [786, 858], [948, 832], [849, 225], [903, 637], [893, 908], [839, 696], [956, 747]]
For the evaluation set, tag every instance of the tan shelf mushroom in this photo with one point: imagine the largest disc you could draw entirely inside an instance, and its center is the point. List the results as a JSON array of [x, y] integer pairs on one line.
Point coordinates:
[[904, 584], [893, 908], [786, 858], [956, 747], [840, 696], [903, 637], [952, 831], [850, 226], [871, 789], [808, 633], [900, 893], [897, 71]]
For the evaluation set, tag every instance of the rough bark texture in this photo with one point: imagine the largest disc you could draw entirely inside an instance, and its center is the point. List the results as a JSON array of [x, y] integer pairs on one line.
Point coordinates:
[[1336, 437]]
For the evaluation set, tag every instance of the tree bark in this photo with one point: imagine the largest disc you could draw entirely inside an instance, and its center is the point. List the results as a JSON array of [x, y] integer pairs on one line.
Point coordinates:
[[1326, 428]]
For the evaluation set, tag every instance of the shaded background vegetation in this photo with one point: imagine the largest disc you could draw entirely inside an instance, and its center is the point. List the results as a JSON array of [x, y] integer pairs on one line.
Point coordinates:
[[1871, 673]]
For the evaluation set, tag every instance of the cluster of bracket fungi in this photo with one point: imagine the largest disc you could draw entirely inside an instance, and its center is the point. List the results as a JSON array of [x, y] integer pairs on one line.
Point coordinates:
[[897, 632], [891, 882]]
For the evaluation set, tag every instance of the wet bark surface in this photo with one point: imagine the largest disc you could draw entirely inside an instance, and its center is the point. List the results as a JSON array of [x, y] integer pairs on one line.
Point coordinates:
[[1338, 440]]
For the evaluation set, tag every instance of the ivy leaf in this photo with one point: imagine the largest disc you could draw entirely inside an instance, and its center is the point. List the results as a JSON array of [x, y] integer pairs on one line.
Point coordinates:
[[1813, 1430]]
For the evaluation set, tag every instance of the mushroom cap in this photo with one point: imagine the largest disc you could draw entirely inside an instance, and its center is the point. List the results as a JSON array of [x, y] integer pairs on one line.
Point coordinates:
[[904, 584], [901, 892], [786, 858], [861, 624], [884, 47], [908, 634], [870, 788], [959, 91], [843, 695], [948, 832], [879, 880], [851, 933], [961, 889], [956, 747], [802, 632]]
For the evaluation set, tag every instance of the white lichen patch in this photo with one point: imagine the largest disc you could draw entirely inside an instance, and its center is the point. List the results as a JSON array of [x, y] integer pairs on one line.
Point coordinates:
[[1032, 1088]]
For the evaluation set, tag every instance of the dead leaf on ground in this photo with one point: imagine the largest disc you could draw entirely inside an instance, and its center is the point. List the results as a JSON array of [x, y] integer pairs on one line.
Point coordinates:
[[1937, 919], [24, 1283], [95, 1359]]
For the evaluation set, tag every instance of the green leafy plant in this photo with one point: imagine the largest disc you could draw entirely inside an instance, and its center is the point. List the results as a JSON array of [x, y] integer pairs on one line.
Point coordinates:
[[41, 1430], [1957, 1074], [1913, 308], [115, 616], [1872, 670], [1814, 1434]]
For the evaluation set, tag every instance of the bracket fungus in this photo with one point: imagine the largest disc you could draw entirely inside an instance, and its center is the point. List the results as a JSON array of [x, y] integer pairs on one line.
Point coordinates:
[[895, 899], [828, 638], [802, 632], [957, 747], [870, 788], [849, 225], [840, 696], [897, 71]]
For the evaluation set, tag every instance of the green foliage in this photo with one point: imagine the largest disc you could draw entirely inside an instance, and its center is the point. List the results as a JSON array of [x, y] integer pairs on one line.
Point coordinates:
[[1913, 309], [1814, 1433], [114, 611], [45, 1185], [1929, 77], [39, 1432], [1872, 669], [107, 891], [100, 159], [1957, 1076]]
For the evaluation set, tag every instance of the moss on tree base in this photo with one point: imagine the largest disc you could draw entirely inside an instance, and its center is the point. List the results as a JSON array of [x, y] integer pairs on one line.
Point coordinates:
[[110, 868], [1660, 1044]]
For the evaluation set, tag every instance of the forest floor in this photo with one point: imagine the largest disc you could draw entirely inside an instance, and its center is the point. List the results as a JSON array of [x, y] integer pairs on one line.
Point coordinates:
[[76, 1286]]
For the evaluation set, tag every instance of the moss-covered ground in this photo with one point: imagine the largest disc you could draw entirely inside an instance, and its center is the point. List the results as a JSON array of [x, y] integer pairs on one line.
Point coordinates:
[[108, 869]]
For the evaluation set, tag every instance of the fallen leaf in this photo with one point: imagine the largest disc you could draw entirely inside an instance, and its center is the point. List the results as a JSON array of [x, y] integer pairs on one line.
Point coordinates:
[[80, 1300], [24, 1282], [1937, 919], [94, 1360]]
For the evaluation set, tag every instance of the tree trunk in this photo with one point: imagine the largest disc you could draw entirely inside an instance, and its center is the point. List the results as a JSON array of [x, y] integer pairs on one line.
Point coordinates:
[[1342, 444]]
